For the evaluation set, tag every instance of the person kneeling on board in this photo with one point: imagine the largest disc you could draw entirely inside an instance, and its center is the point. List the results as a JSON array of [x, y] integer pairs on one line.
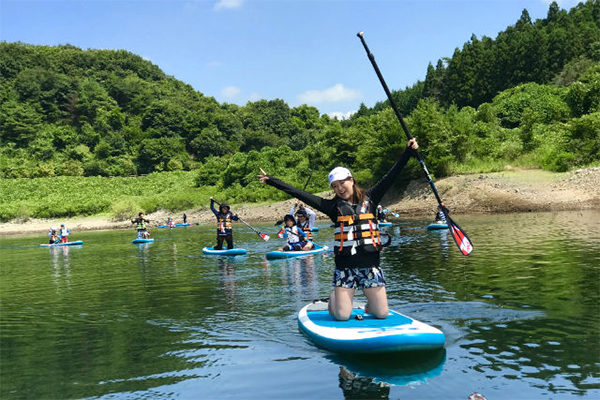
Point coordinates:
[[357, 244]]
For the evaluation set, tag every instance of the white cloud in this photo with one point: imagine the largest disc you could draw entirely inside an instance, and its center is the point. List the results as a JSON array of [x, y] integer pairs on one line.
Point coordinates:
[[341, 115], [230, 92], [254, 97], [333, 94], [228, 4]]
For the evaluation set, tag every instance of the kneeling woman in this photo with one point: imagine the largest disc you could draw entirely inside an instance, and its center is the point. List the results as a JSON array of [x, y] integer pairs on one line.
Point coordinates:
[[357, 243], [295, 236]]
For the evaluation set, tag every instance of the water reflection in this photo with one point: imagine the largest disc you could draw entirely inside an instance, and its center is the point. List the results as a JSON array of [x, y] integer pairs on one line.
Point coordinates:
[[227, 279], [363, 375], [61, 267]]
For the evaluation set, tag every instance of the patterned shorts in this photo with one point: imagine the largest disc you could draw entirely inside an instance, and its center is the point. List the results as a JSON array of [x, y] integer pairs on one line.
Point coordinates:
[[358, 278]]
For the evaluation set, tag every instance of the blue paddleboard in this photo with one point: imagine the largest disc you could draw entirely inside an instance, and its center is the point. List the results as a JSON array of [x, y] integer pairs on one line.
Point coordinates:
[[224, 252], [287, 254], [433, 227], [174, 225], [77, 243], [385, 224], [314, 229], [139, 240], [370, 335]]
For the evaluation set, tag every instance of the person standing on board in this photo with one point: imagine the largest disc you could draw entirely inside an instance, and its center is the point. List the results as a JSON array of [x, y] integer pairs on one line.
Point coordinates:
[[64, 233], [357, 243], [309, 213], [224, 228]]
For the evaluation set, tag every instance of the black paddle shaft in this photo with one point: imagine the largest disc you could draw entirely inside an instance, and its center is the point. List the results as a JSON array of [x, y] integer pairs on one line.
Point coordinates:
[[460, 237], [399, 115]]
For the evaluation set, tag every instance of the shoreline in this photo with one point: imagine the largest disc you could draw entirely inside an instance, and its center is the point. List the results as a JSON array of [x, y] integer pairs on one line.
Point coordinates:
[[509, 191]]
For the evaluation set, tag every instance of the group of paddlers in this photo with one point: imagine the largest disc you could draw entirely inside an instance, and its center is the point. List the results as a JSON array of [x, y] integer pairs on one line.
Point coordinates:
[[356, 214]]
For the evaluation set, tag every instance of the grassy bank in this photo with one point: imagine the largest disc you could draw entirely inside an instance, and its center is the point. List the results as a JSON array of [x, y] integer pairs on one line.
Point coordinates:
[[121, 197]]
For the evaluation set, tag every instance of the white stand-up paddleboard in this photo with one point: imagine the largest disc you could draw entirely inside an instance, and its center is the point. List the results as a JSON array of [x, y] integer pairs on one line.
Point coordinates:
[[367, 334]]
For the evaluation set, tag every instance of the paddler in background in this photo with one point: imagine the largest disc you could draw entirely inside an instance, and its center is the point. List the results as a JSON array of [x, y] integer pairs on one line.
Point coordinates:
[[52, 237], [440, 218], [294, 234], [357, 244], [304, 225], [309, 213], [381, 214], [64, 233], [142, 231], [224, 228]]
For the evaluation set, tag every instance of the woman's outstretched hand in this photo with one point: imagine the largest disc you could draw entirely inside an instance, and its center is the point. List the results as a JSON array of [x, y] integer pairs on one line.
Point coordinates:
[[412, 143], [263, 176]]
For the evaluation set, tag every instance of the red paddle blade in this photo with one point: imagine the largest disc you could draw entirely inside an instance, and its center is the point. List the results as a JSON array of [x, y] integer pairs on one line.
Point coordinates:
[[264, 236], [460, 237]]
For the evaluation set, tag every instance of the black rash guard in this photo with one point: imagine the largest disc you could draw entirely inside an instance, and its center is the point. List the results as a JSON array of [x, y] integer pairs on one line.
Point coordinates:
[[329, 207]]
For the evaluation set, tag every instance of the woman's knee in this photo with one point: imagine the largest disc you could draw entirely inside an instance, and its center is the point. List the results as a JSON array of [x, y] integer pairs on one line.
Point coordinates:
[[342, 315]]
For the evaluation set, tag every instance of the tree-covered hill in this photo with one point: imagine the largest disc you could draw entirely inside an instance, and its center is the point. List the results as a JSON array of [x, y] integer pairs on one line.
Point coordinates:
[[528, 51], [68, 111]]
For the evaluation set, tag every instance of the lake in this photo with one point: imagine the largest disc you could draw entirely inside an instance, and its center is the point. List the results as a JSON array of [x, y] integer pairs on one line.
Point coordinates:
[[114, 320]]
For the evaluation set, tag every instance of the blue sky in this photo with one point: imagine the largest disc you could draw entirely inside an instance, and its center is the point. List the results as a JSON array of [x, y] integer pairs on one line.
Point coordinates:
[[298, 51]]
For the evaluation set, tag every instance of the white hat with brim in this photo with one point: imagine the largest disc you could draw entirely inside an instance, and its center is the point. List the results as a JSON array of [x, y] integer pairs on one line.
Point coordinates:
[[339, 174]]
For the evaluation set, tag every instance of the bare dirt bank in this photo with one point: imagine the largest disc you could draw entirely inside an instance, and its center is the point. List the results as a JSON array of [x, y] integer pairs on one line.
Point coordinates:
[[513, 190]]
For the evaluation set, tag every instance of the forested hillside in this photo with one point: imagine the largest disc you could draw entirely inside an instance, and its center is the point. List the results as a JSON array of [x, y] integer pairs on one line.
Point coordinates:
[[529, 97]]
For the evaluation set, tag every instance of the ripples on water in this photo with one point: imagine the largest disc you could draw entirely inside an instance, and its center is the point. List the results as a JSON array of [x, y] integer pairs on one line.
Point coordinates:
[[114, 320]]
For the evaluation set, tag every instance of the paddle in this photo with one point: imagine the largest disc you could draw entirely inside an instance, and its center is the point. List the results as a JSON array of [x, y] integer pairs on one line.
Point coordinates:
[[460, 237], [263, 236]]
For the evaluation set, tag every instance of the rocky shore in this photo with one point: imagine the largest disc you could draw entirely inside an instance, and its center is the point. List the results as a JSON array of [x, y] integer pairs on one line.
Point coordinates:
[[512, 190]]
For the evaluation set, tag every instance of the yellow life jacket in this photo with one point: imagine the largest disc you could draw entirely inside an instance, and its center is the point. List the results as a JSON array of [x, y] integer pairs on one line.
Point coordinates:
[[356, 229], [224, 223]]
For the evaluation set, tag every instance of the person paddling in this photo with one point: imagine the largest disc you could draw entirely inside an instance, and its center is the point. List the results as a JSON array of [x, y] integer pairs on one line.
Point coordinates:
[[142, 231], [224, 228], [357, 244], [295, 236]]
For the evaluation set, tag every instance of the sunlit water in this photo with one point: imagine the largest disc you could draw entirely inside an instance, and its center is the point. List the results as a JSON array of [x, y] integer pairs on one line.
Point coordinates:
[[113, 320]]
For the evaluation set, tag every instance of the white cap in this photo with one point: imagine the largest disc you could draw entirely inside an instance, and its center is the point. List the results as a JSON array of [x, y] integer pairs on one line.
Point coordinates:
[[339, 174]]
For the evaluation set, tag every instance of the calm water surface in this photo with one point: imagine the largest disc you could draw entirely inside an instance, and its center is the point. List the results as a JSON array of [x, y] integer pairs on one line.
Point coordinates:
[[113, 320]]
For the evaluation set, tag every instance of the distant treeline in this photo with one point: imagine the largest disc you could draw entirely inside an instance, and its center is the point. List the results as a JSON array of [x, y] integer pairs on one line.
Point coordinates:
[[530, 97]]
